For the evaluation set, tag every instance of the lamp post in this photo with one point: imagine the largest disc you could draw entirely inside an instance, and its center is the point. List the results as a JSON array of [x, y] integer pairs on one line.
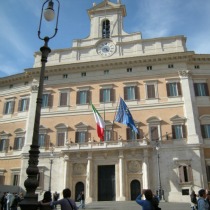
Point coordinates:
[[160, 193], [30, 200], [51, 162]]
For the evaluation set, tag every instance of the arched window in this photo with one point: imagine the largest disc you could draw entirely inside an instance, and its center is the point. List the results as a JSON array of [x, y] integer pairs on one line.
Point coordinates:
[[106, 29]]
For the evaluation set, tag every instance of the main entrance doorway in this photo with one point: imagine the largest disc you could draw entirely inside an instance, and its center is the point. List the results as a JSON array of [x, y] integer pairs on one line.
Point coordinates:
[[106, 183]]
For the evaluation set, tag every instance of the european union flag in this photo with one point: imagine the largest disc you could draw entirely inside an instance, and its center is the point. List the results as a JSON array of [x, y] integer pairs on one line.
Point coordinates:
[[124, 116]]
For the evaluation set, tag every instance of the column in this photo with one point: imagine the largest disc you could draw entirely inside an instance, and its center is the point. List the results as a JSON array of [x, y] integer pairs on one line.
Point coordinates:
[[190, 108], [31, 116], [121, 177], [89, 180], [65, 178], [145, 169]]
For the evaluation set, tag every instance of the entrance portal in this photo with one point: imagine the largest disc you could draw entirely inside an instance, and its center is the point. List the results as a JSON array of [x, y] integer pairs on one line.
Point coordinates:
[[78, 189], [106, 183], [135, 189]]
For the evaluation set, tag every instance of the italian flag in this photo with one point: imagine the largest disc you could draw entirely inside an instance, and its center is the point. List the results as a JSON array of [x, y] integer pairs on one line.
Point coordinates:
[[99, 122]]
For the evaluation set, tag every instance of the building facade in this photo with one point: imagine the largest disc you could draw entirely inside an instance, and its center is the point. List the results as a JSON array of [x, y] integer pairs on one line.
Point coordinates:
[[166, 88]]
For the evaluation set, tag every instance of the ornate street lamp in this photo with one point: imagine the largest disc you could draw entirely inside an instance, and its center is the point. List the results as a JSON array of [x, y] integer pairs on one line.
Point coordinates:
[[160, 192], [51, 162], [30, 200]]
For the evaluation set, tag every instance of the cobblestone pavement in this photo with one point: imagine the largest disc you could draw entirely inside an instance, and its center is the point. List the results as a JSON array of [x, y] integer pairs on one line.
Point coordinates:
[[132, 205]]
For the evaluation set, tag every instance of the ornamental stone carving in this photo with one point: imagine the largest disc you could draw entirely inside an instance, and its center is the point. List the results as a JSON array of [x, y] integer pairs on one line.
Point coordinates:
[[134, 166], [79, 169], [185, 73]]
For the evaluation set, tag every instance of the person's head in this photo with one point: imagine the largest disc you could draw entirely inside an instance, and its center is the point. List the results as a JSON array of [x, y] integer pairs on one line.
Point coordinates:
[[47, 197], [67, 193], [202, 193], [148, 194]]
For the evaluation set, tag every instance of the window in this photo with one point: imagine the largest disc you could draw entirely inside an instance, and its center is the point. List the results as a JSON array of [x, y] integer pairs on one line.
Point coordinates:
[[154, 126], [83, 97], [106, 72], [208, 172], [178, 131], [4, 145], [129, 69], [107, 135], [149, 68], [131, 135], [46, 100], [185, 173], [81, 137], [18, 143], [205, 130], [9, 107], [23, 104], [106, 95], [65, 76], [173, 89], [2, 179], [16, 179], [130, 92], [46, 78], [41, 142], [61, 134], [106, 29], [83, 74], [201, 89], [170, 66], [61, 139], [197, 67]]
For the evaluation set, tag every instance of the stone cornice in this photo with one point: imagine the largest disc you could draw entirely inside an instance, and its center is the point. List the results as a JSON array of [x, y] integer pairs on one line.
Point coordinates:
[[189, 57]]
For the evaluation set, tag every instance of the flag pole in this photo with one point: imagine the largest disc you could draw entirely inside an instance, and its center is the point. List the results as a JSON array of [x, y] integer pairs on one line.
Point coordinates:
[[115, 115]]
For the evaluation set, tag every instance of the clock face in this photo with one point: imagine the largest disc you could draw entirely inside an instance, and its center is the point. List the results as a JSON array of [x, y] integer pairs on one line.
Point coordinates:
[[106, 48]]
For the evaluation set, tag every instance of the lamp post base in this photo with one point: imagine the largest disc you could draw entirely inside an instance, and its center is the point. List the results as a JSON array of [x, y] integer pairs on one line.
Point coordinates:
[[29, 202]]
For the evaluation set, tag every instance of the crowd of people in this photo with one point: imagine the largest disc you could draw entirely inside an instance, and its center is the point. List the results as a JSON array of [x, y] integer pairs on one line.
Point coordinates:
[[200, 201], [10, 201]]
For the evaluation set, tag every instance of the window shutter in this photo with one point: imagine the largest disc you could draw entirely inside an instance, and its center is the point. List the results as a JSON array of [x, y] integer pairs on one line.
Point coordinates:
[[4, 110], [19, 105], [112, 94], [15, 146], [77, 137], [179, 88], [12, 107], [86, 136], [168, 89], [125, 93], [27, 103], [138, 135], [61, 139], [22, 142], [136, 92], [88, 97], [184, 130], [151, 91], [128, 133], [154, 133], [206, 89], [63, 99], [190, 175], [78, 99], [203, 131], [196, 89], [173, 132], [101, 95], [50, 100], [181, 174]]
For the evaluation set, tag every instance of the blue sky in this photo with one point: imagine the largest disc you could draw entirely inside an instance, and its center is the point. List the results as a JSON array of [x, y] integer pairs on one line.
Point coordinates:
[[153, 18]]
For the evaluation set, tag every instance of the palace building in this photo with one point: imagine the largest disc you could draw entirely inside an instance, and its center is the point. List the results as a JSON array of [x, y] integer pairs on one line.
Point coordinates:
[[166, 88]]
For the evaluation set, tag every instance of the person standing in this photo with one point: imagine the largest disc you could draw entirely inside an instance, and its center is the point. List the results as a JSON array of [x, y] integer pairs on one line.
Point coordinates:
[[150, 202], [45, 202], [82, 200], [55, 197], [202, 202], [66, 203], [194, 202]]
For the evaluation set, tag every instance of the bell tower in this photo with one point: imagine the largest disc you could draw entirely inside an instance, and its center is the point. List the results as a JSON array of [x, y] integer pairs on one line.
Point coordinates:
[[106, 20]]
